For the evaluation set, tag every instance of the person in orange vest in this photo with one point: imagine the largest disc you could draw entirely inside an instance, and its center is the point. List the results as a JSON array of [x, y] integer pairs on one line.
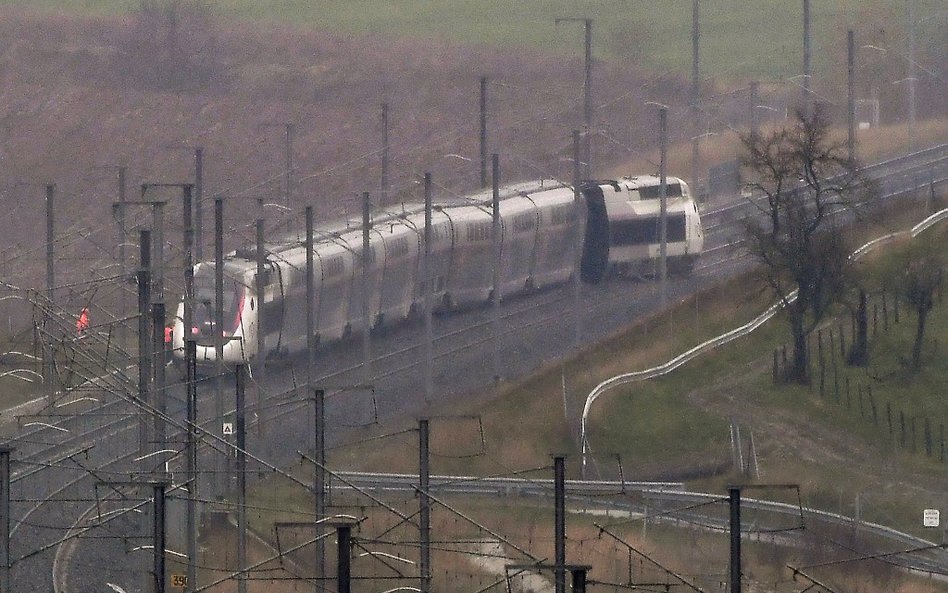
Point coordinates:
[[82, 323]]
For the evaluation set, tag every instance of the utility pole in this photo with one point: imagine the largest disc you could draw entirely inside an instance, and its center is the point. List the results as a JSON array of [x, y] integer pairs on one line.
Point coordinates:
[[123, 264], [587, 90], [483, 127], [426, 264], [912, 73], [48, 364], [851, 95], [663, 199], [367, 260], [261, 326], [559, 570], [158, 536], [289, 169], [192, 469], [735, 537], [319, 479], [310, 296], [806, 58], [577, 243], [188, 237], [144, 341], [241, 429], [5, 519], [199, 203], [424, 512], [158, 390], [693, 97], [219, 336], [343, 567], [385, 153], [495, 237]]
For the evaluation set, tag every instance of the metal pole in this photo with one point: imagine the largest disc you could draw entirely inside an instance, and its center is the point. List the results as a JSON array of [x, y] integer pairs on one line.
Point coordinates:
[[48, 364], [806, 57], [483, 121], [579, 580], [219, 336], [158, 239], [289, 169], [663, 215], [577, 243], [851, 94], [912, 73], [192, 469], [559, 570], [428, 288], [367, 260], [319, 479], [5, 519], [587, 95], [385, 154], [188, 236], [424, 506], [310, 296], [695, 92], [123, 264], [261, 358], [735, 536], [343, 574], [158, 389], [199, 203], [241, 429], [144, 340], [496, 246], [158, 536]]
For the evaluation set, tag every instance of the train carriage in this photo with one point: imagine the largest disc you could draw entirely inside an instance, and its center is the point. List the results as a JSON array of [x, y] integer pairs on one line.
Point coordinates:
[[440, 256], [402, 245], [518, 243], [557, 222], [470, 279], [540, 224]]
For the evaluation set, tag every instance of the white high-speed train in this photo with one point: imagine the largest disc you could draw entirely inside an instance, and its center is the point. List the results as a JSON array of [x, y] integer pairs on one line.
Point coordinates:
[[620, 228]]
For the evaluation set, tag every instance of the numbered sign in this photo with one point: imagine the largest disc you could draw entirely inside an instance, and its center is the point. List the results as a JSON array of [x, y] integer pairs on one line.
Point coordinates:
[[931, 518], [179, 580]]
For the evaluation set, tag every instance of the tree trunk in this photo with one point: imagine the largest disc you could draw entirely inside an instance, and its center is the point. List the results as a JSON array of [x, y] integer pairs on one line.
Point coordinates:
[[800, 374], [919, 336], [859, 354]]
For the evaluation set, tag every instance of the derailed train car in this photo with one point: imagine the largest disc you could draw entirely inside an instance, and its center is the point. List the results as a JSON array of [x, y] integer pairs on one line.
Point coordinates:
[[619, 227]]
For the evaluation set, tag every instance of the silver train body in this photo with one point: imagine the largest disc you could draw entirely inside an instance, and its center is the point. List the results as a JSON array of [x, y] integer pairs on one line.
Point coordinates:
[[618, 225]]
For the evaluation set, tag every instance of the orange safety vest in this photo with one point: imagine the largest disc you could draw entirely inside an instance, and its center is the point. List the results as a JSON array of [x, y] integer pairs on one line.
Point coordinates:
[[82, 324]]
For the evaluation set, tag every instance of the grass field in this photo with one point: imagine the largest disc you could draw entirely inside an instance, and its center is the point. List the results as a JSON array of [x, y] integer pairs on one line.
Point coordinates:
[[732, 31]]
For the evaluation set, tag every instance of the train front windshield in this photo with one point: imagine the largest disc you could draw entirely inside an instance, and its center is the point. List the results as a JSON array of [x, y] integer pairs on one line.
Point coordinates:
[[203, 310]]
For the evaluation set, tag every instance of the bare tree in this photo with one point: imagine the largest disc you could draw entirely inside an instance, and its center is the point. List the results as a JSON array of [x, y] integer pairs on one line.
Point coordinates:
[[805, 179], [918, 277]]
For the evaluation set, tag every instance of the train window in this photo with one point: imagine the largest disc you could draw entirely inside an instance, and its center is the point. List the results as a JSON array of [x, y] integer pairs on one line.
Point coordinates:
[[560, 214], [654, 192], [479, 231], [524, 222], [334, 267], [643, 231], [399, 247]]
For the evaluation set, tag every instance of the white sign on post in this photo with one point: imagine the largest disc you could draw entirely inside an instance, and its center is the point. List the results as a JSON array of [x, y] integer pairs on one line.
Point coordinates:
[[228, 428], [931, 518]]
